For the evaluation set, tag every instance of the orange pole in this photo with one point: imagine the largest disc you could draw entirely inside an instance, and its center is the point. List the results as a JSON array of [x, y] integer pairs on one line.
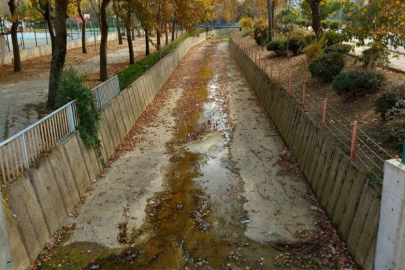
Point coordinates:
[[303, 96], [271, 70], [324, 113], [353, 140], [259, 60]]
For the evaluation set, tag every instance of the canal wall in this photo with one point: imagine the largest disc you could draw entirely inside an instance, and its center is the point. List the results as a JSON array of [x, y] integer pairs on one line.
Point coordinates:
[[36, 205], [343, 192], [8, 57]]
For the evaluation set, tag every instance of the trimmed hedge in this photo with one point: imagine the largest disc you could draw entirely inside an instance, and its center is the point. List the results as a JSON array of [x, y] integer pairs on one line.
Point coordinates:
[[327, 66], [332, 38], [355, 82], [386, 104], [131, 73], [338, 48], [296, 44]]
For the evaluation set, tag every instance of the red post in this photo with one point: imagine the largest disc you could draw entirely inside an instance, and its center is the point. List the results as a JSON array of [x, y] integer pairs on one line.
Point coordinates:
[[271, 74], [324, 113], [289, 85], [259, 60], [353, 140], [255, 57], [303, 96]]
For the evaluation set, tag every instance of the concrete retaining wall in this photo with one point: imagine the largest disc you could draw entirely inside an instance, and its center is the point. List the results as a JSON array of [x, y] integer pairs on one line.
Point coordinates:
[[346, 195], [38, 204], [7, 57]]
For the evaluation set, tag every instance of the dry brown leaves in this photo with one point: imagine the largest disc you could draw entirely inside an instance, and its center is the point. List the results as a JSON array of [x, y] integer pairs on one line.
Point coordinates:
[[325, 245], [47, 252]]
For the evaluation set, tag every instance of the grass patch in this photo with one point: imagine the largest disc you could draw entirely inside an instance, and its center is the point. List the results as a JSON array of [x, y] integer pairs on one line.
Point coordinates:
[[131, 73]]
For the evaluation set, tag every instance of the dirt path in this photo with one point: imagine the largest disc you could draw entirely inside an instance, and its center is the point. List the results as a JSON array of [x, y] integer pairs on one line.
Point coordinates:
[[23, 93], [208, 185]]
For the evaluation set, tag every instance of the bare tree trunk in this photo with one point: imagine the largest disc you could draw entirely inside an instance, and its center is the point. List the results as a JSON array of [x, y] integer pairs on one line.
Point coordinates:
[[167, 35], [14, 38], [173, 25], [47, 17], [130, 47], [316, 16], [104, 39], [269, 20], [118, 29], [59, 54], [79, 11], [147, 41]]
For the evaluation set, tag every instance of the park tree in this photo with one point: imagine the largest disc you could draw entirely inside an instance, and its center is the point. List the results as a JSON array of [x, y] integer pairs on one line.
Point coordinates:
[[125, 9], [47, 9], [58, 52], [100, 9], [315, 6], [79, 4], [327, 8], [381, 21], [14, 5]]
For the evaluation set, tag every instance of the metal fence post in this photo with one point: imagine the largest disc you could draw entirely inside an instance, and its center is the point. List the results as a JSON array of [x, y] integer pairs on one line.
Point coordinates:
[[71, 120], [324, 113], [24, 148], [100, 105]]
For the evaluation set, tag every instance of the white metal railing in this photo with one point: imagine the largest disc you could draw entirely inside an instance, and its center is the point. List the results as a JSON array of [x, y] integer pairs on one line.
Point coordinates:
[[20, 151], [106, 91]]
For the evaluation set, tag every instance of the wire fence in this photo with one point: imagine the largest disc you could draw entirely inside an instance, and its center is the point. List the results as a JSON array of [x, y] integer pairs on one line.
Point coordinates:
[[35, 34], [24, 149], [366, 154]]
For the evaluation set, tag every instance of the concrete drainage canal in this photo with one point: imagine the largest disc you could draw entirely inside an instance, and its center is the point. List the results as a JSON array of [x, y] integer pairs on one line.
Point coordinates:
[[208, 185]]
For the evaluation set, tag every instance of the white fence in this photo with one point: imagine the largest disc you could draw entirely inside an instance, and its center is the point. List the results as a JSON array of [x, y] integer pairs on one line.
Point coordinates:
[[20, 152]]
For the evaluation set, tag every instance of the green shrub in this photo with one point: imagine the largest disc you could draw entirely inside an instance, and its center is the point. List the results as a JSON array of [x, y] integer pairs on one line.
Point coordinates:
[[273, 45], [355, 82], [327, 66], [260, 35], [72, 87], [311, 37], [348, 83], [334, 25], [302, 22], [394, 134], [131, 73], [278, 45], [388, 102], [338, 48], [332, 37], [296, 44], [373, 81]]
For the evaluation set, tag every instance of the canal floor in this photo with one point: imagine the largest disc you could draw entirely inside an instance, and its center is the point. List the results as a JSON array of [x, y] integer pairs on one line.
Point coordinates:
[[203, 181]]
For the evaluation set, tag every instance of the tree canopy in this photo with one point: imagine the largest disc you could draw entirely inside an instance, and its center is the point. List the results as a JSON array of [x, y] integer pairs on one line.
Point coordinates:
[[381, 21]]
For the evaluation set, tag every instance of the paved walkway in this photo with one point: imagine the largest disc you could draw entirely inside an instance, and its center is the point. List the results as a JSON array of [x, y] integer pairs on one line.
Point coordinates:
[[18, 98]]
